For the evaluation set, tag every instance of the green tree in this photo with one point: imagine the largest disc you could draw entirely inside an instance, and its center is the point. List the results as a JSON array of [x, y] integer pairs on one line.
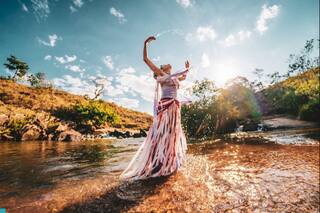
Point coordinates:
[[219, 110], [37, 80], [303, 61], [257, 83], [18, 67]]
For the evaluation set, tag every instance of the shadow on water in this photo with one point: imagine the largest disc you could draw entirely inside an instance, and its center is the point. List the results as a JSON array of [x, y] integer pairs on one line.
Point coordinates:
[[121, 197]]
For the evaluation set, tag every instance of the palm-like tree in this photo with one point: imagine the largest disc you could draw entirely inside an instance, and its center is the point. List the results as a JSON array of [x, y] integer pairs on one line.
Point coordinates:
[[17, 66]]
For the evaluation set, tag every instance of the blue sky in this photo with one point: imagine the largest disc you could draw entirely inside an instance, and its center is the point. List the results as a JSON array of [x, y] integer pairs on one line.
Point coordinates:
[[76, 42]]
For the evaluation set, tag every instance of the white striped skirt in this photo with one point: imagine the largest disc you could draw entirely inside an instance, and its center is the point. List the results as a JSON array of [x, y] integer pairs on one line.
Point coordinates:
[[163, 151]]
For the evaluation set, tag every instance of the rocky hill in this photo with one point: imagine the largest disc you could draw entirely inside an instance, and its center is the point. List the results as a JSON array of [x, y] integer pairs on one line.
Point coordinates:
[[28, 113]]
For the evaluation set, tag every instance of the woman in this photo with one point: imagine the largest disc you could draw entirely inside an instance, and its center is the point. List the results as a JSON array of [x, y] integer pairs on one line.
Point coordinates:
[[163, 150]]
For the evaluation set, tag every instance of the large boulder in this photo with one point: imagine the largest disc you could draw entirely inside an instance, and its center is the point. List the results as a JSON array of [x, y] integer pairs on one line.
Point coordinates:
[[69, 135], [31, 132], [42, 120]]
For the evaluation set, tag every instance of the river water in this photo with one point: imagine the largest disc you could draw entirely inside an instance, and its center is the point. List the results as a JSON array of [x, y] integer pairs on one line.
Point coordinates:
[[275, 171]]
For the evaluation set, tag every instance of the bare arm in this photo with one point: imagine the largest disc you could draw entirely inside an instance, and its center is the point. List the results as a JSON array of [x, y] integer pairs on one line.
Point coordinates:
[[152, 66], [184, 76]]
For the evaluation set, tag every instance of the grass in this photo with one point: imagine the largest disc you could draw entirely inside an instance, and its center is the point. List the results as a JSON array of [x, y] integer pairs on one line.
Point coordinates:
[[21, 100]]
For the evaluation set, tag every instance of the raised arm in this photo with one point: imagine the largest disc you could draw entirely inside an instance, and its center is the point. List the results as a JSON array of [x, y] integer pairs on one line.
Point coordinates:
[[187, 66], [152, 66]]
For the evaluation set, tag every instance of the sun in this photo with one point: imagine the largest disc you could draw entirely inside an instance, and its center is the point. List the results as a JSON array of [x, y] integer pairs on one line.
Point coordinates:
[[221, 72]]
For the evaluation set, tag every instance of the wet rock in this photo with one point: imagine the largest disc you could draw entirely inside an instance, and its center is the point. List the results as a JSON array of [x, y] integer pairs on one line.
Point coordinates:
[[250, 126], [128, 134], [31, 132], [117, 133], [143, 133], [69, 135], [6, 137], [50, 137]]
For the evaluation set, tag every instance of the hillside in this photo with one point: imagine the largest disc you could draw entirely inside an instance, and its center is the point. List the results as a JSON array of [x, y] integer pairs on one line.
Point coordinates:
[[297, 95], [19, 101]]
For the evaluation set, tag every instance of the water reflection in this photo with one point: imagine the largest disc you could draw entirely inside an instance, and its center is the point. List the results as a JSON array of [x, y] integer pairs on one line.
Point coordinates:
[[218, 176], [30, 165]]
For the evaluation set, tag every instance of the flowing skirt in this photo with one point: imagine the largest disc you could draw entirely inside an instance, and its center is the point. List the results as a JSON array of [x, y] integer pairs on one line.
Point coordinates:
[[163, 151]]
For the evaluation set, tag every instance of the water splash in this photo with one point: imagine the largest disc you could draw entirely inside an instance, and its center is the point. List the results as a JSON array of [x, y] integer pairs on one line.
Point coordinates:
[[173, 32]]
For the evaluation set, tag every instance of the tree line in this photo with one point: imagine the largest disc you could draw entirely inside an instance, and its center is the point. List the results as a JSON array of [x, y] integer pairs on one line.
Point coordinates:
[[242, 102]]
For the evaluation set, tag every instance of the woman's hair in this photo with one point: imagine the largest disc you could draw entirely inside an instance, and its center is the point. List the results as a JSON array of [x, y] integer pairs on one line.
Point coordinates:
[[155, 75]]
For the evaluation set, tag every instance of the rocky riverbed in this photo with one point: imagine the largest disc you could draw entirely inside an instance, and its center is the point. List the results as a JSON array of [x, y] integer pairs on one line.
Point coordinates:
[[278, 171], [45, 127]]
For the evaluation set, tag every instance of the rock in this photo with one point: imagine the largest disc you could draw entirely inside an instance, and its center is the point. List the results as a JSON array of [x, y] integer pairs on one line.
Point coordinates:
[[50, 137], [128, 134], [117, 133], [3, 119], [31, 132], [6, 137], [143, 133], [42, 121], [250, 126], [69, 135], [62, 127], [136, 135], [101, 131]]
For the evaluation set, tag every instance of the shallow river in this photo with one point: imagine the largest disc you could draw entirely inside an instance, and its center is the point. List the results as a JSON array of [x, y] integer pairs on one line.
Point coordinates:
[[275, 171]]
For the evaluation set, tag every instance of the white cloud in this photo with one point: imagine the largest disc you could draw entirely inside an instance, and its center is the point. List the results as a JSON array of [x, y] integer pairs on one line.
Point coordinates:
[[24, 8], [266, 14], [127, 102], [130, 82], [118, 14], [105, 82], [234, 39], [203, 33], [41, 9], [107, 60], [78, 3], [66, 59], [74, 85], [72, 9], [74, 68], [52, 40], [205, 62], [184, 3], [47, 57], [113, 91], [127, 70]]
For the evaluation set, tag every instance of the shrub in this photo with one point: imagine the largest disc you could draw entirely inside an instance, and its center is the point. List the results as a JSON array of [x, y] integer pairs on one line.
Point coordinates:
[[14, 127], [219, 111], [95, 113], [310, 111]]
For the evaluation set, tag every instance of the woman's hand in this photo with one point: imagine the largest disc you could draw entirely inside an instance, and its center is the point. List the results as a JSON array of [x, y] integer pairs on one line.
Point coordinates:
[[187, 65], [182, 77], [151, 38]]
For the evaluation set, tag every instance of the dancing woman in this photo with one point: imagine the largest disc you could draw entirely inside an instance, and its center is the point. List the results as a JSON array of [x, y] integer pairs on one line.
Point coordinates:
[[163, 150]]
